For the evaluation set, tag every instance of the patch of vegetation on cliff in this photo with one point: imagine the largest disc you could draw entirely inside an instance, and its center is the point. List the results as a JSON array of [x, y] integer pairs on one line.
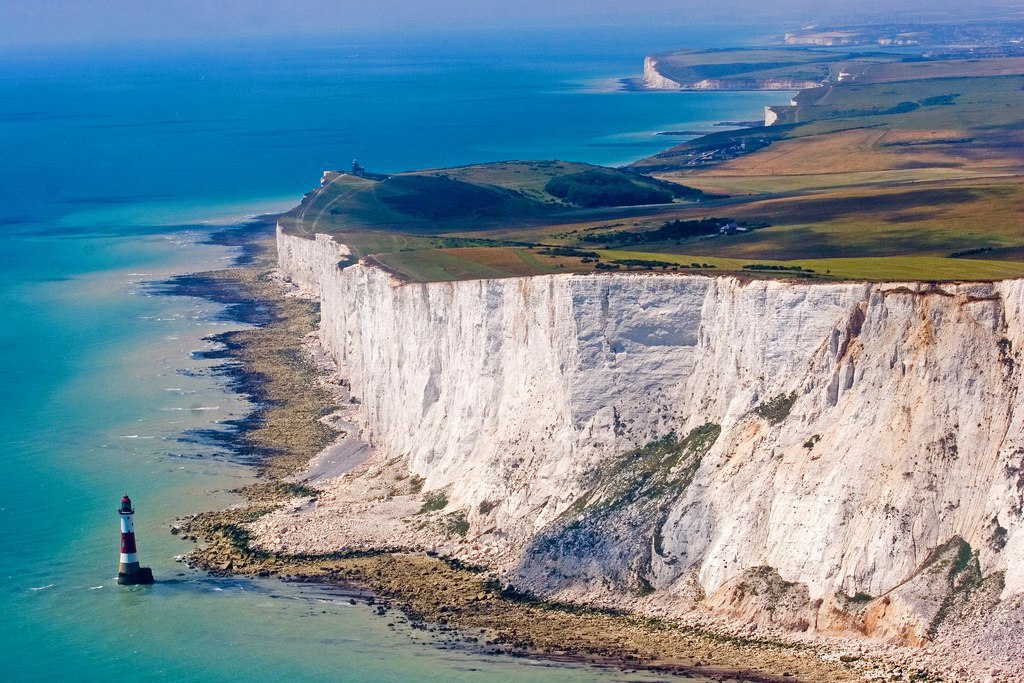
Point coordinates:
[[456, 524], [662, 468], [860, 598], [999, 536], [619, 521], [434, 501], [952, 571], [650, 470], [776, 409], [1006, 353]]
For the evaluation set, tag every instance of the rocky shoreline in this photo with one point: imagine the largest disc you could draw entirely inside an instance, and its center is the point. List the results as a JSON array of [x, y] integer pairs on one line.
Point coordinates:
[[265, 362]]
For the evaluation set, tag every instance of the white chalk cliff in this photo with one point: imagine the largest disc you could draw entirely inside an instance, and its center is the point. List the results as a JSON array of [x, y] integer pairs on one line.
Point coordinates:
[[823, 456], [654, 79]]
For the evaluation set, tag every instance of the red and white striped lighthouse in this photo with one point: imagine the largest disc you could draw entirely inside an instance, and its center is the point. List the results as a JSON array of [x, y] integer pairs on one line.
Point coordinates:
[[129, 573]]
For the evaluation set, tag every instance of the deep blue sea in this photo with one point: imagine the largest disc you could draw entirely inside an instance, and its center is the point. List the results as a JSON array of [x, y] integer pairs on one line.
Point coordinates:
[[117, 163]]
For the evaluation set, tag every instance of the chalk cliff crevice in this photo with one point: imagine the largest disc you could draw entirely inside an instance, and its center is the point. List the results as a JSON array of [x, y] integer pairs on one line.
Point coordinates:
[[850, 454]]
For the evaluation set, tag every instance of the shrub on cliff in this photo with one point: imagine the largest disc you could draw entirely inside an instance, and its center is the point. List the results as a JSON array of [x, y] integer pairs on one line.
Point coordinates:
[[435, 500], [456, 524], [776, 409]]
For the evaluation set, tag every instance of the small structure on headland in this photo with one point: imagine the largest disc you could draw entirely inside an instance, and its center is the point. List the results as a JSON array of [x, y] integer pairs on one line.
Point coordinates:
[[129, 573], [357, 170]]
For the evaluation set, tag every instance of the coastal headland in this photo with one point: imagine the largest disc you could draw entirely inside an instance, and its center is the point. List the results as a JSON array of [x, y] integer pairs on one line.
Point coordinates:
[[750, 400]]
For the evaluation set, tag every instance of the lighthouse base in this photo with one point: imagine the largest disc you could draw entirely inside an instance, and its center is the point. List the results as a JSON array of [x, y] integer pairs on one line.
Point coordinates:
[[142, 577]]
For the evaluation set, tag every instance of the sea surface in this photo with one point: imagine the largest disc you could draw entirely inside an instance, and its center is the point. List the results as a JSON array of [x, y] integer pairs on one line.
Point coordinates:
[[118, 164]]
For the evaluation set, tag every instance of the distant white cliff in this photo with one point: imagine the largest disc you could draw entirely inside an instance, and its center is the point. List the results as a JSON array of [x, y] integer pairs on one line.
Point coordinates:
[[830, 457], [654, 79]]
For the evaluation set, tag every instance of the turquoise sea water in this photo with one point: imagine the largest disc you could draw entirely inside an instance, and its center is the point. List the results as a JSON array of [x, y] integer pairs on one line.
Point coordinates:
[[117, 165]]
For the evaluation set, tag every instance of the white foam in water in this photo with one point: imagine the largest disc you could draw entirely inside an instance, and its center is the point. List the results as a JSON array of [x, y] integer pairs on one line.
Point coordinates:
[[197, 408]]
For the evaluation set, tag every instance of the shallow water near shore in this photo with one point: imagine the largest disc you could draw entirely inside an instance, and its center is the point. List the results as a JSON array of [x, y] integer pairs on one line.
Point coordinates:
[[125, 167]]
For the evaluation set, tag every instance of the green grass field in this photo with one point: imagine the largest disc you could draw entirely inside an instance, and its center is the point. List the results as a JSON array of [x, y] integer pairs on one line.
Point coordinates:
[[472, 263], [444, 265], [895, 268]]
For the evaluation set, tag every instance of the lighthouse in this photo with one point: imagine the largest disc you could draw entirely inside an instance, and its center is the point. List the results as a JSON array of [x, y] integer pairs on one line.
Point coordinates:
[[129, 573]]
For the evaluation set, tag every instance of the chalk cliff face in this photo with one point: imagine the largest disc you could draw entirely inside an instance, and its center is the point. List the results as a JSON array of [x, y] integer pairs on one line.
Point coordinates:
[[654, 79], [309, 262], [830, 456]]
